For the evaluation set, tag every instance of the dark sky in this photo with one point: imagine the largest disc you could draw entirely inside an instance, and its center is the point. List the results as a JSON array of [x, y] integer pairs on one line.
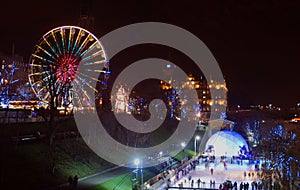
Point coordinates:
[[256, 42]]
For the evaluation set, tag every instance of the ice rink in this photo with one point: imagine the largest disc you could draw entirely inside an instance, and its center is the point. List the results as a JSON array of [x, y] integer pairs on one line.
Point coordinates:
[[234, 173]]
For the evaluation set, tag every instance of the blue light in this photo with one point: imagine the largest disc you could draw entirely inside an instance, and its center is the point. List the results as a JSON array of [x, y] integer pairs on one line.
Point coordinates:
[[168, 66]]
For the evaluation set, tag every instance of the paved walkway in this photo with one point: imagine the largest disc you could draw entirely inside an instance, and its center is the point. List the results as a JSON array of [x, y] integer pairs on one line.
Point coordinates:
[[95, 179]]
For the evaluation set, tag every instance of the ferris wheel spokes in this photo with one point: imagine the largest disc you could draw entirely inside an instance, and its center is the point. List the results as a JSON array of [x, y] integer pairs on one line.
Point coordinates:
[[55, 62]]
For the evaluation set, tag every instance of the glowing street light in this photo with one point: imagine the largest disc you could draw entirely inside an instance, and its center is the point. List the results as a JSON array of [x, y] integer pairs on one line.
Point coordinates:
[[182, 144], [137, 162], [160, 154]]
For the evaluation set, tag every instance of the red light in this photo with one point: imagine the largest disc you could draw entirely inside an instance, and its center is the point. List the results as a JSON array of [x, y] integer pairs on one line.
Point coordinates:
[[67, 67]]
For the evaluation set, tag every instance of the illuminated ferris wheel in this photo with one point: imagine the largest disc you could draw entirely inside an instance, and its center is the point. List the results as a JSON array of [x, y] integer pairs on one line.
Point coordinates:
[[55, 62]]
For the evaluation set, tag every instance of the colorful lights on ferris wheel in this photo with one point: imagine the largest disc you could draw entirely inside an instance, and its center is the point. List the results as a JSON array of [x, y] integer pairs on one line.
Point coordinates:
[[56, 59]]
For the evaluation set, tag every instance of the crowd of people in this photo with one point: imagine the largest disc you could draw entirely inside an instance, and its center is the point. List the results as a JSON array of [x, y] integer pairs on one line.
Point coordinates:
[[248, 180], [228, 185]]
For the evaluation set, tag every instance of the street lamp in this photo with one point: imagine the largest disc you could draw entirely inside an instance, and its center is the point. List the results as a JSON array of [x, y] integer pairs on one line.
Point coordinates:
[[160, 154], [138, 164], [182, 145], [195, 144]]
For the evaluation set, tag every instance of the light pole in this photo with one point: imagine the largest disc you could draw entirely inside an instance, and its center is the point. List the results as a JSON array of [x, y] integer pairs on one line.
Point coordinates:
[[182, 145], [138, 164], [142, 179], [160, 154], [195, 144]]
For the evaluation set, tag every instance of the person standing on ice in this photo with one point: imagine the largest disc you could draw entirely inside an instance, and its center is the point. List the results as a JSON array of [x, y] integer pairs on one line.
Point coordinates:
[[225, 165]]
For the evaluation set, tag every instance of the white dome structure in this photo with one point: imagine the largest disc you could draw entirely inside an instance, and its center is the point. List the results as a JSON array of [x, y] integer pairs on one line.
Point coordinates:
[[226, 143]]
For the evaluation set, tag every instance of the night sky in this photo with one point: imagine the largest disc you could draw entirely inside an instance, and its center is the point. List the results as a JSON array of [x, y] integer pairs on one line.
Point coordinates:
[[256, 42]]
